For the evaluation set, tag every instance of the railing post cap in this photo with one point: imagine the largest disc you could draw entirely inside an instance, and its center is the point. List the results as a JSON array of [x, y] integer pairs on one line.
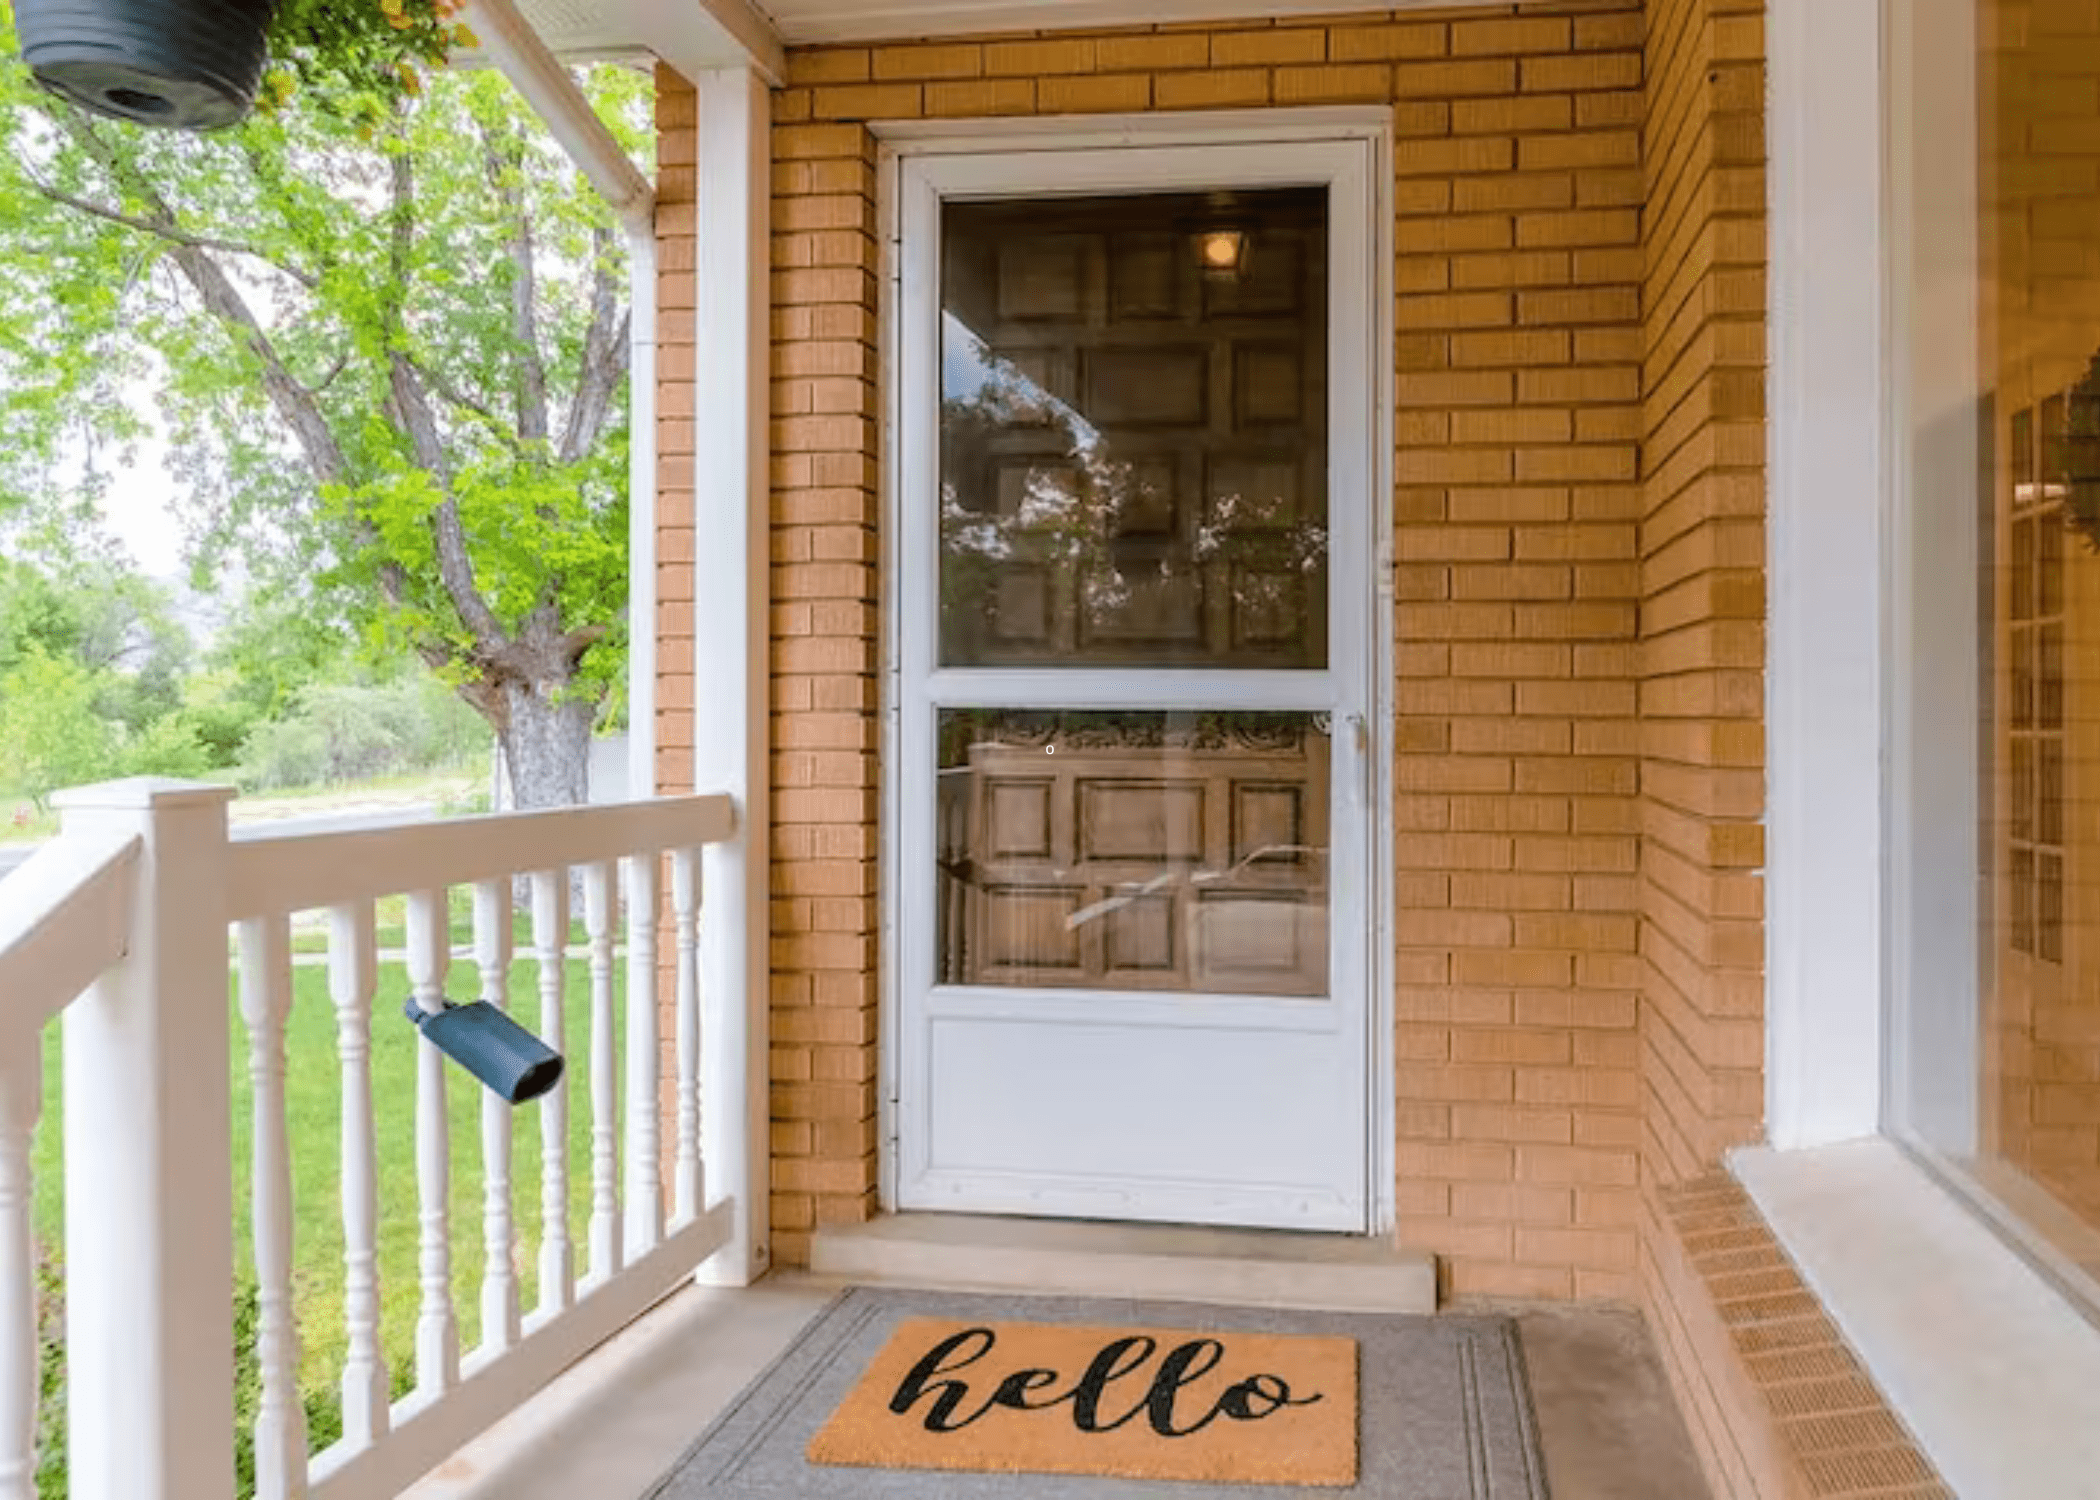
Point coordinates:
[[142, 794]]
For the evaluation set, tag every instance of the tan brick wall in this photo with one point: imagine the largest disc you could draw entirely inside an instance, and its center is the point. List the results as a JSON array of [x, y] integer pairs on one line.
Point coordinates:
[[827, 654], [1701, 716], [1517, 305], [1578, 537], [1702, 584], [676, 152], [825, 651], [1518, 310]]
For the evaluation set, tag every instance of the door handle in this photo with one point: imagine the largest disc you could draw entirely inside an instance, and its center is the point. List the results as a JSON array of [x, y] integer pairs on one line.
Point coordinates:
[[1360, 752]]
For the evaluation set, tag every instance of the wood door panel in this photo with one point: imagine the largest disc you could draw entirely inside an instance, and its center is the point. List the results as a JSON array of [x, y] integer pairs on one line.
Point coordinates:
[[1198, 866], [1148, 822]]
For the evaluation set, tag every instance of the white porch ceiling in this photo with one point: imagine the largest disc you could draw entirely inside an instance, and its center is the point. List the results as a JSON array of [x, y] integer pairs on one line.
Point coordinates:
[[693, 34]]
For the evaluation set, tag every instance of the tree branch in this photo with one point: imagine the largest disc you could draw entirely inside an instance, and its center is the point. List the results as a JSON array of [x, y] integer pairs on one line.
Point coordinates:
[[342, 362], [222, 299], [166, 229], [410, 408], [503, 156], [576, 642], [312, 236], [604, 357], [442, 386], [401, 235]]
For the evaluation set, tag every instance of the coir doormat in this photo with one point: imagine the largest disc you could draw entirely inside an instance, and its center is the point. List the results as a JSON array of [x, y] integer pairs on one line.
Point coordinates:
[[1226, 1405], [1441, 1409]]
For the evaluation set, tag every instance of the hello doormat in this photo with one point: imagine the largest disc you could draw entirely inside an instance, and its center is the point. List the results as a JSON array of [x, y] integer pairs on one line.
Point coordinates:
[[1224, 1405], [1436, 1408]]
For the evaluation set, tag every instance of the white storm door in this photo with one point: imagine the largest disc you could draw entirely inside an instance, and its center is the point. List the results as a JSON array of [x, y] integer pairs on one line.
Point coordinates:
[[1132, 754]]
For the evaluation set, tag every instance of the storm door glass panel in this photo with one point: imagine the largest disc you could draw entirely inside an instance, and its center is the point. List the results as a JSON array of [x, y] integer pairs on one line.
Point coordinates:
[[1133, 431], [1179, 851]]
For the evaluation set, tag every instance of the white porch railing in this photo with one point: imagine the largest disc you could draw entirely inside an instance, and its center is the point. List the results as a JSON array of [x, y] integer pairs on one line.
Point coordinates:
[[119, 927]]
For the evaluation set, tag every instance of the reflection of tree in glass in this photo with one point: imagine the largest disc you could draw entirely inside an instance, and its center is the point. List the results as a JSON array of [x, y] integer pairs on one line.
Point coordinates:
[[1043, 522], [2078, 456]]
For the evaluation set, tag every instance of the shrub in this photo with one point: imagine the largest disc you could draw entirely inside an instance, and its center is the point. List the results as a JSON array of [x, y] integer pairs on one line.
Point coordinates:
[[346, 732], [290, 752], [169, 747], [323, 1408]]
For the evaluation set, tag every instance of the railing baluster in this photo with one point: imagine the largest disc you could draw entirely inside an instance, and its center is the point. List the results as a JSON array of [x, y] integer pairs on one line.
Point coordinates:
[[645, 1198], [550, 942], [352, 979], [280, 1418], [21, 1099], [598, 915], [686, 1181], [499, 1279], [437, 1335]]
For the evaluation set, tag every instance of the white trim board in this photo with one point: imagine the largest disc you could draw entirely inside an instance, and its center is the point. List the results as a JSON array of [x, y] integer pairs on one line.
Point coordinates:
[[732, 573], [1823, 703], [808, 22]]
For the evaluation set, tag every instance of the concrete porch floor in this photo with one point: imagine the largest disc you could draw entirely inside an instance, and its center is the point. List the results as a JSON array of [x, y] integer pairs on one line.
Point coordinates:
[[609, 1426]]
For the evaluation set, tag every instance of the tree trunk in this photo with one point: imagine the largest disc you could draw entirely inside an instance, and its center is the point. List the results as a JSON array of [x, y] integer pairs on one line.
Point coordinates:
[[546, 746]]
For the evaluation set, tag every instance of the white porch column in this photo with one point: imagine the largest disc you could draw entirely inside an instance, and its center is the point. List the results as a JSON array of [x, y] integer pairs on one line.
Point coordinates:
[[732, 516], [148, 1163]]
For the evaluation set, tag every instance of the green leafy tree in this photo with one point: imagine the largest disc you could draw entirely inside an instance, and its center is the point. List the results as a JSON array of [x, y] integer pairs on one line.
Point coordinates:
[[388, 331], [84, 634], [50, 734]]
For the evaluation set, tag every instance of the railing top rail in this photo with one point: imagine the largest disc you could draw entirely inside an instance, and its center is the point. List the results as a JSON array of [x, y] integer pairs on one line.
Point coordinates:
[[63, 919], [271, 873]]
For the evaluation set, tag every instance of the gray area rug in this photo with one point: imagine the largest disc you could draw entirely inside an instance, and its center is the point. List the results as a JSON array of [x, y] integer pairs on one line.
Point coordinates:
[[1445, 1407]]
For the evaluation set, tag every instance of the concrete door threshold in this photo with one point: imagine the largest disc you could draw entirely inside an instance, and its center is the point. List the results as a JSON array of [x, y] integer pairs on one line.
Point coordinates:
[[1073, 1257]]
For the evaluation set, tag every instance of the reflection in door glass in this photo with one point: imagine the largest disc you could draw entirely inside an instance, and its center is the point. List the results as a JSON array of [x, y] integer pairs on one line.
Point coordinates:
[[1134, 431], [1134, 851]]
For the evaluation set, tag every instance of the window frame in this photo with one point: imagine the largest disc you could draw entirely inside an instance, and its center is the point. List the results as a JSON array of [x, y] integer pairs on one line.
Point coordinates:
[[1870, 929]]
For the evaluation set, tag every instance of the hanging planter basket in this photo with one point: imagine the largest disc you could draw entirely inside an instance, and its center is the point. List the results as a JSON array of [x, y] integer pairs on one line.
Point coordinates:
[[190, 64]]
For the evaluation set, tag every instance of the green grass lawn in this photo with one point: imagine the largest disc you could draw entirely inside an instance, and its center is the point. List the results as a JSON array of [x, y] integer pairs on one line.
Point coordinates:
[[313, 1103], [454, 790]]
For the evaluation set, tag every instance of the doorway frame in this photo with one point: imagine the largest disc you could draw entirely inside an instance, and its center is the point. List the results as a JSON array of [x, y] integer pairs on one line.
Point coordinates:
[[1253, 133]]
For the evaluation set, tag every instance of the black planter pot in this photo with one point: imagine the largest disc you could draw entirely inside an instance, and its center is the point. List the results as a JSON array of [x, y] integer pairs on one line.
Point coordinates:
[[189, 64]]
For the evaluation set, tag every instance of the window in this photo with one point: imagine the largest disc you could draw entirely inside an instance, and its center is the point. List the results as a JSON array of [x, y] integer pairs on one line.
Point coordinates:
[[1997, 1055], [2034, 665]]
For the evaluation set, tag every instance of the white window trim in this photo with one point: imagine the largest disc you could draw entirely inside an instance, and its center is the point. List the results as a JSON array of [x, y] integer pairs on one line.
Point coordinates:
[[1979, 1353], [1824, 824]]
